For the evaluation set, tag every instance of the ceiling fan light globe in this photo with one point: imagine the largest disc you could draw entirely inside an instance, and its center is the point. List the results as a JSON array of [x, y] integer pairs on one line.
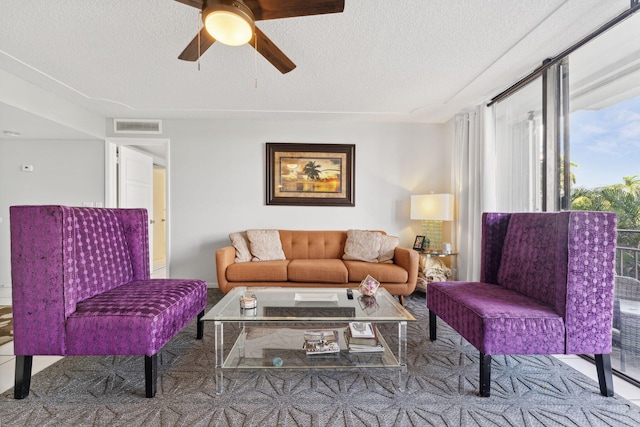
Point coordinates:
[[229, 22]]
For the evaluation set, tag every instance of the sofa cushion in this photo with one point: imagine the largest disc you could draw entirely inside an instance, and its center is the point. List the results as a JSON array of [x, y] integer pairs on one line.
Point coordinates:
[[531, 254], [362, 245], [317, 270], [136, 318], [382, 272], [302, 244], [496, 320], [102, 259], [265, 245], [387, 248], [241, 245], [266, 271]]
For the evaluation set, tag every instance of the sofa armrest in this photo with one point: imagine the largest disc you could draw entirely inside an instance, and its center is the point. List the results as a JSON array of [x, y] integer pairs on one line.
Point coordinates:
[[224, 258], [410, 261]]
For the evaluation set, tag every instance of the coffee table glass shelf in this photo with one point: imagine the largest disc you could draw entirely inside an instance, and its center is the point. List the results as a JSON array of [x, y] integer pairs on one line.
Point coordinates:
[[271, 336]]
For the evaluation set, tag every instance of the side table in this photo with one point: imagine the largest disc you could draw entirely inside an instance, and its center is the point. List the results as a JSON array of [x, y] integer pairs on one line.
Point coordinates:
[[441, 254]]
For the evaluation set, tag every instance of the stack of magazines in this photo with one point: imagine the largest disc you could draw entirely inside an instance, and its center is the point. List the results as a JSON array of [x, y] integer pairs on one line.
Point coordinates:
[[321, 341], [362, 337]]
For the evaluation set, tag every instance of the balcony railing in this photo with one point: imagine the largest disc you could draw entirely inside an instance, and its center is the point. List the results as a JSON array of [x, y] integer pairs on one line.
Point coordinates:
[[626, 327], [628, 253]]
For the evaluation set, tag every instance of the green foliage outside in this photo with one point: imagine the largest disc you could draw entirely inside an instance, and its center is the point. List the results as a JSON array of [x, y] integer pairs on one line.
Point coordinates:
[[624, 200]]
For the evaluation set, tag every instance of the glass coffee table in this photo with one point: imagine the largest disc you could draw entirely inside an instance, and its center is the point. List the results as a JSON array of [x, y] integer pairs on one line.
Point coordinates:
[[271, 335]]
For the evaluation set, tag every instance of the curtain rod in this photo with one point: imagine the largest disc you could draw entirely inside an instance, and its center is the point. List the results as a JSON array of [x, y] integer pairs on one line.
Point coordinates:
[[547, 63]]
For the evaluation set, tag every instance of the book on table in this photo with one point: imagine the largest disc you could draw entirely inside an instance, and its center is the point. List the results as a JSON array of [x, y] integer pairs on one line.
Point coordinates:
[[321, 341], [378, 348], [366, 339], [362, 330]]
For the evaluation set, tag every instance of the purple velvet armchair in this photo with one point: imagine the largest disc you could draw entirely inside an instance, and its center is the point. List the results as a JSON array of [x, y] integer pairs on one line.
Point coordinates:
[[81, 286], [546, 287]]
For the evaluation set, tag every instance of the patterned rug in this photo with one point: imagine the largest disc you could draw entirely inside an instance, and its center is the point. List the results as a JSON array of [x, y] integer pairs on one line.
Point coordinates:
[[6, 329], [440, 390]]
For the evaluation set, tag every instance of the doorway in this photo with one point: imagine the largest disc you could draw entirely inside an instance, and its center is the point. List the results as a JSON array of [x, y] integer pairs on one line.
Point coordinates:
[[159, 228], [159, 219]]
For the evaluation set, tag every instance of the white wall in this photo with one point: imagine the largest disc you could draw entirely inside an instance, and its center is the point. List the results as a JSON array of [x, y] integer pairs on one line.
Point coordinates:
[[64, 172], [21, 100], [217, 178]]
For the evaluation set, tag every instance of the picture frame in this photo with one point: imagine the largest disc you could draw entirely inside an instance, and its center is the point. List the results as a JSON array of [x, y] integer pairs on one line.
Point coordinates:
[[417, 244], [310, 174]]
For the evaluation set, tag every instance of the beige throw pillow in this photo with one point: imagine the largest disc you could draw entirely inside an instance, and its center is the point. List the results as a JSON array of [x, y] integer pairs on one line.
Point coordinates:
[[265, 245], [387, 248], [240, 243], [362, 245]]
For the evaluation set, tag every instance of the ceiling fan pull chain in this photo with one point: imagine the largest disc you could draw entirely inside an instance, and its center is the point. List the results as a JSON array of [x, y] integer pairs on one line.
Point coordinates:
[[255, 59], [199, 28]]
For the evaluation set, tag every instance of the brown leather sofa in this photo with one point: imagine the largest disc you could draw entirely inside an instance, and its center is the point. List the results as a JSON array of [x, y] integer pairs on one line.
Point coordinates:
[[314, 259]]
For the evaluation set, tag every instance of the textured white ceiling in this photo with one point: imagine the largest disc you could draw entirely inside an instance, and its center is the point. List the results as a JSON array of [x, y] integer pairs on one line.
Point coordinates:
[[391, 60]]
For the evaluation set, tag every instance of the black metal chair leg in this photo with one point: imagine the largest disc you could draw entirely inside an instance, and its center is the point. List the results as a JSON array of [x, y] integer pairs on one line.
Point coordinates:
[[200, 326], [432, 326], [605, 378], [23, 376], [150, 374], [485, 375]]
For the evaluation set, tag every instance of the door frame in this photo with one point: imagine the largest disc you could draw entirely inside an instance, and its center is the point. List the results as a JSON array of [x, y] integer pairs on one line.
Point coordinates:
[[110, 176]]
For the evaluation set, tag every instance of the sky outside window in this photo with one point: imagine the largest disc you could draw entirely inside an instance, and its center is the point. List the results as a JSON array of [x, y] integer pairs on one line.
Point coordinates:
[[605, 144]]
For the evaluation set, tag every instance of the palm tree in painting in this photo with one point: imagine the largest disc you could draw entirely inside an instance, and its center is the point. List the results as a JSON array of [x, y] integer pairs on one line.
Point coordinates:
[[312, 170]]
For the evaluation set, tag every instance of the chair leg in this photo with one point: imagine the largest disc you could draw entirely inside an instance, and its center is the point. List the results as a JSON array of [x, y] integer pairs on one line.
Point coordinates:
[[150, 374], [200, 326], [485, 375], [603, 366], [23, 377], [432, 325], [401, 300]]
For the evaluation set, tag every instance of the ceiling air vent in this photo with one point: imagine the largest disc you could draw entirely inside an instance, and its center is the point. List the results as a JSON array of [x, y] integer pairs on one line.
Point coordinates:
[[137, 126]]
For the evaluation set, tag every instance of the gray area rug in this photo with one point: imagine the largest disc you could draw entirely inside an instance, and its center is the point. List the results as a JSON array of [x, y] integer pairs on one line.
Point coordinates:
[[441, 390]]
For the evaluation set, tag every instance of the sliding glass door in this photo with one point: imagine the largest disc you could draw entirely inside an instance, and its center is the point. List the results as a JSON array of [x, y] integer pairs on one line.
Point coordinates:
[[604, 94], [570, 139]]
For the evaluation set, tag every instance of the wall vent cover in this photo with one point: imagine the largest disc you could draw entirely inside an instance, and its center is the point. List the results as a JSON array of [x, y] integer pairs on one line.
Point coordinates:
[[137, 126]]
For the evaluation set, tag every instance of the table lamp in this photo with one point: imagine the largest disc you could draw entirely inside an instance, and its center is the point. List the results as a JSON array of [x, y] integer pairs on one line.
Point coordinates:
[[432, 209]]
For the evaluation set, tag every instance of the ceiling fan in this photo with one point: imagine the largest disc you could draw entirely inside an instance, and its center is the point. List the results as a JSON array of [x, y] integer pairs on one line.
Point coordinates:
[[233, 22]]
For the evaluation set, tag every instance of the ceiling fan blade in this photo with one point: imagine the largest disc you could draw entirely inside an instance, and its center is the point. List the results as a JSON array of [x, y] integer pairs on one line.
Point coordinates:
[[271, 52], [190, 53], [193, 3], [275, 9]]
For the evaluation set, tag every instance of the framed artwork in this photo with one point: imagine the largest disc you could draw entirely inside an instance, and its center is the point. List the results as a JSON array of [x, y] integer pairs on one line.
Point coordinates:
[[310, 174], [417, 244]]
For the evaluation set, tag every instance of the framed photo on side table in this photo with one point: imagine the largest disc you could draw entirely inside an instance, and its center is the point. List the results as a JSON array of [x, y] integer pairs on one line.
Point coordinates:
[[417, 245]]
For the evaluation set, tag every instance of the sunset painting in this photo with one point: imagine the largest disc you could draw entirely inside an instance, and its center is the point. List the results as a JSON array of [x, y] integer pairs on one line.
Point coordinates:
[[316, 175], [310, 174]]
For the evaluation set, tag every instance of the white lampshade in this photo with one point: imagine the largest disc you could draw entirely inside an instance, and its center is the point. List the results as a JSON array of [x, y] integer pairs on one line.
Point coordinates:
[[437, 207], [229, 22]]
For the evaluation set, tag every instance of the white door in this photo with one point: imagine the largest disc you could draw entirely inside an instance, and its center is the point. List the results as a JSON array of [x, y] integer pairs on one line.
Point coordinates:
[[135, 185]]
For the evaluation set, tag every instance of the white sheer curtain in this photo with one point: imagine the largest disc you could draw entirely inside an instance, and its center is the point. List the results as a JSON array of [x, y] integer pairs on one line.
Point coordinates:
[[473, 183], [518, 156]]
